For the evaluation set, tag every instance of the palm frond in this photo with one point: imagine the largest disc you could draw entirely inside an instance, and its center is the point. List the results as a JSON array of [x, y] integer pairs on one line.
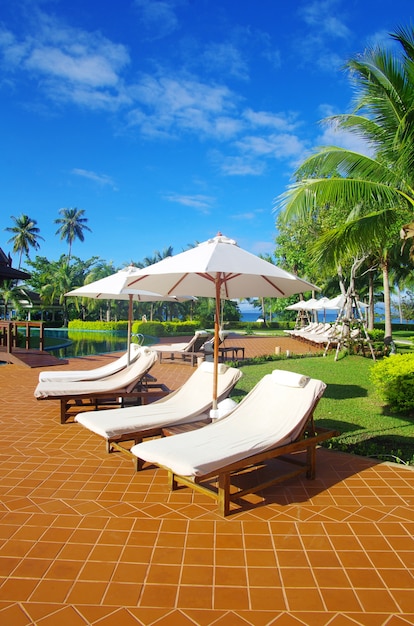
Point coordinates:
[[302, 197]]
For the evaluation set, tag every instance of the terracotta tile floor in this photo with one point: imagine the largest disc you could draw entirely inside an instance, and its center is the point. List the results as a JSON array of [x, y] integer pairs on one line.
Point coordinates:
[[86, 540]]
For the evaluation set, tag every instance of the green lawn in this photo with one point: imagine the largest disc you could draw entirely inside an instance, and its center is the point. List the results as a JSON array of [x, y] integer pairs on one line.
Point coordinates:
[[350, 405]]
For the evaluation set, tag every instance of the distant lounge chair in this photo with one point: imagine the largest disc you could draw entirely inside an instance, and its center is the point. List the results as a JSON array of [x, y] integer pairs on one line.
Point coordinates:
[[187, 350], [274, 419], [191, 402], [132, 382], [68, 376]]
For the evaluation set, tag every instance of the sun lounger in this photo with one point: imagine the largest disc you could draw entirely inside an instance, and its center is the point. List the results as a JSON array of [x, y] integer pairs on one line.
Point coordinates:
[[98, 372], [132, 382], [189, 403], [274, 419], [186, 350]]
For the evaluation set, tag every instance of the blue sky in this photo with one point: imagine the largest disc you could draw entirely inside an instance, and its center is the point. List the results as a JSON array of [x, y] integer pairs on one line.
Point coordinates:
[[170, 120]]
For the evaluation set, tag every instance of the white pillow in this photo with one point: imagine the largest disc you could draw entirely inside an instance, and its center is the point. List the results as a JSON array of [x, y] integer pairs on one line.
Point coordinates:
[[208, 366], [289, 379]]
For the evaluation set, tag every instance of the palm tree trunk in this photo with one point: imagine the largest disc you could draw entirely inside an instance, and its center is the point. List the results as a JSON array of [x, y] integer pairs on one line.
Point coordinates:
[[371, 314], [387, 299]]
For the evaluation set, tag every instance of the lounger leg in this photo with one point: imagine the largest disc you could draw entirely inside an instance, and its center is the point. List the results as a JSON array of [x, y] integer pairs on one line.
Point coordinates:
[[63, 409], [172, 483], [311, 462], [138, 464], [224, 494]]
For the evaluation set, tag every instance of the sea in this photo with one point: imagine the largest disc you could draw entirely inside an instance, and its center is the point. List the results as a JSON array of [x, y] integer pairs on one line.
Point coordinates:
[[250, 316], [253, 316], [330, 316]]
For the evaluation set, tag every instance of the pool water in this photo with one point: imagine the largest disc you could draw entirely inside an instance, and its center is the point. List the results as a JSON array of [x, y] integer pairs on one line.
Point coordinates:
[[64, 343]]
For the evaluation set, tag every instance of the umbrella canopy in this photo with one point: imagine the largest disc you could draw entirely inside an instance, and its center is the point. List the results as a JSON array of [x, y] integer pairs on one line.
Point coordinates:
[[220, 269], [114, 287], [297, 306], [339, 302]]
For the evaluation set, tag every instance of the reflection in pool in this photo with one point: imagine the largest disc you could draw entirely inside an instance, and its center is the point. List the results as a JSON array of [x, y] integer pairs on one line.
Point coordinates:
[[64, 343]]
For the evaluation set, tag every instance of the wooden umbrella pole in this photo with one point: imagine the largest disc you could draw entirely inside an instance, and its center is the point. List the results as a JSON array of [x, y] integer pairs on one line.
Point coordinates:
[[216, 343], [129, 327]]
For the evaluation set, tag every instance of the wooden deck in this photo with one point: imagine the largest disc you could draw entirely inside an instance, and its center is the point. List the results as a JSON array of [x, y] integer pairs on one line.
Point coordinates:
[[30, 357]]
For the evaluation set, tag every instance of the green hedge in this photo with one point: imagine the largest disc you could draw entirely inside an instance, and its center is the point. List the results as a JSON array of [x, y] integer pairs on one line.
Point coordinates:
[[162, 329], [113, 326], [393, 378]]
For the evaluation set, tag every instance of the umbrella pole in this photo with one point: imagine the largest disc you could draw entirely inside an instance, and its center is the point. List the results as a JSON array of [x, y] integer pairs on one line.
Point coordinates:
[[216, 344], [129, 327]]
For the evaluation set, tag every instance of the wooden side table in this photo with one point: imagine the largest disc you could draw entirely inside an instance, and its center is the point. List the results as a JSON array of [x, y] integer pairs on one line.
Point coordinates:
[[230, 352]]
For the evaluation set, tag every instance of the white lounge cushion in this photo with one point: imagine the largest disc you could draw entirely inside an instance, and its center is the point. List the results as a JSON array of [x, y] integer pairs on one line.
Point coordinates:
[[187, 404], [94, 374], [123, 380], [270, 415]]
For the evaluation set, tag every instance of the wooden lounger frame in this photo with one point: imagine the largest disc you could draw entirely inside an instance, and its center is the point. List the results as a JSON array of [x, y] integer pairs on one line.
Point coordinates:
[[222, 491], [144, 393], [115, 443]]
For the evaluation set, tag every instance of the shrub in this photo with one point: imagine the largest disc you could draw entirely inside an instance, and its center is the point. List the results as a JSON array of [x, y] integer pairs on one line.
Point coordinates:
[[113, 326], [151, 329], [393, 378], [161, 329], [376, 334]]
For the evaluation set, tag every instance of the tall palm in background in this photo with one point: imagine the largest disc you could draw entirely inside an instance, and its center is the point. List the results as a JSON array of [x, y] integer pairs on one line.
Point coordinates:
[[376, 187], [72, 226], [25, 235]]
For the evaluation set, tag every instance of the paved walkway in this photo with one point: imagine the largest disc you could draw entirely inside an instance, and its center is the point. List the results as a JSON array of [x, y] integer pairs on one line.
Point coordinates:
[[86, 540]]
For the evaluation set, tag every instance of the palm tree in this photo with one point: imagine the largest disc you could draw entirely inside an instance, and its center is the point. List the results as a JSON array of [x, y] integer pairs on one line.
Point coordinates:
[[25, 235], [72, 224], [61, 282], [9, 294], [377, 186]]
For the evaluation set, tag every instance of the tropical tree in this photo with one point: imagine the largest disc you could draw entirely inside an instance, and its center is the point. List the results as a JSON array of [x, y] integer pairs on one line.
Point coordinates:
[[52, 279], [62, 281], [376, 186], [9, 294], [25, 235], [72, 226], [157, 256]]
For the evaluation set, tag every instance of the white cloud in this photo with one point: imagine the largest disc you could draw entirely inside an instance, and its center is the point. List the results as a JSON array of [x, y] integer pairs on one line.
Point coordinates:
[[158, 16], [326, 32], [169, 105], [197, 201], [333, 136], [278, 121], [69, 64], [101, 179], [324, 15], [72, 65], [225, 58], [278, 146], [263, 247], [240, 165], [248, 216]]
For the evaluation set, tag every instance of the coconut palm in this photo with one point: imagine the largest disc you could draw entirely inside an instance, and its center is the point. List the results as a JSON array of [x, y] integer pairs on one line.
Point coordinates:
[[25, 235], [377, 186], [9, 294], [72, 224], [63, 279]]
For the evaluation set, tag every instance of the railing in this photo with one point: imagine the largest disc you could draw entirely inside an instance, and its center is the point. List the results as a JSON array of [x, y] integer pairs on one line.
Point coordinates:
[[9, 334]]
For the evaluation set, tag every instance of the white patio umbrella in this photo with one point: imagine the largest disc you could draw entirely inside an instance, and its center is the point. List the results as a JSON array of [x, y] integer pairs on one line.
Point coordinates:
[[297, 306], [218, 269], [114, 287]]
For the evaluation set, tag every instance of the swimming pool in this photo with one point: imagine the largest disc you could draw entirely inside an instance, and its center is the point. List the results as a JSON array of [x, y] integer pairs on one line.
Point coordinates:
[[64, 343]]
